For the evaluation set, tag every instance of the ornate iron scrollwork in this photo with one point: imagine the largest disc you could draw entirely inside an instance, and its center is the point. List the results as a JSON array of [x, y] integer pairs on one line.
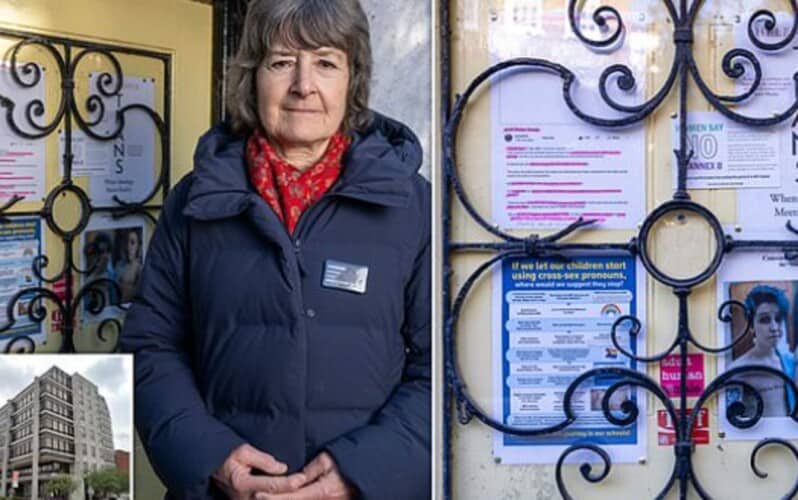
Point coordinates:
[[70, 115], [741, 414]]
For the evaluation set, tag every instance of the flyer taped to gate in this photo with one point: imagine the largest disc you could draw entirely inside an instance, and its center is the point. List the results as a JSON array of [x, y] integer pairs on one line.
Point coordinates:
[[767, 285], [552, 320]]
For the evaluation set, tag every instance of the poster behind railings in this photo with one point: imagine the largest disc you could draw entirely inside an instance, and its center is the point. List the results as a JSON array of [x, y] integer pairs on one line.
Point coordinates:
[[114, 250], [767, 283], [21, 159], [760, 163], [551, 323], [548, 166], [727, 154], [763, 213], [20, 244], [124, 166]]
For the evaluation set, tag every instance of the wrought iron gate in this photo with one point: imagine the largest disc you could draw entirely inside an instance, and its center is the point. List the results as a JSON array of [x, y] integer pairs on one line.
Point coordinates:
[[69, 117], [683, 70]]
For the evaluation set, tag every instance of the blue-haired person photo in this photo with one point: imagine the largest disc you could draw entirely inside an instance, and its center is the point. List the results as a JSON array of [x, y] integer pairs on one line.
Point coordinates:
[[770, 309]]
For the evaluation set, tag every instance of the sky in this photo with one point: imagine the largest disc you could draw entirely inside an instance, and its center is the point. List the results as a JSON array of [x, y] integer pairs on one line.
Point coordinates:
[[112, 373]]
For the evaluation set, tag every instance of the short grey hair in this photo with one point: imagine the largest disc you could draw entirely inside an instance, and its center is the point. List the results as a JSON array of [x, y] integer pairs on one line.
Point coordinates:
[[304, 24]]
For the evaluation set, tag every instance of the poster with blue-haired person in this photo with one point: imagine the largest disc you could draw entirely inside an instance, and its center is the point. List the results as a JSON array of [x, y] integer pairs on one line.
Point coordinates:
[[757, 323]]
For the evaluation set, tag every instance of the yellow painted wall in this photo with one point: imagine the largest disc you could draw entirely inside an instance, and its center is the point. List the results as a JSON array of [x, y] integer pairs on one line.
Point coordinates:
[[182, 28]]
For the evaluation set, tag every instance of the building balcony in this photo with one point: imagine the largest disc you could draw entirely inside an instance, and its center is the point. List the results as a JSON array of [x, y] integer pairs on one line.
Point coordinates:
[[68, 418], [65, 384], [52, 454], [20, 460], [54, 468], [20, 439], [21, 425], [18, 407], [55, 397], [56, 432]]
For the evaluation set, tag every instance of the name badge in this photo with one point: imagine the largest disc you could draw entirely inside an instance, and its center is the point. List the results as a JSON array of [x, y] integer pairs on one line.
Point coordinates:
[[344, 276]]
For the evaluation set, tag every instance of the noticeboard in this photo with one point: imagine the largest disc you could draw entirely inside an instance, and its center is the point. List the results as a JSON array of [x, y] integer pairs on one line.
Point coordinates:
[[657, 132]]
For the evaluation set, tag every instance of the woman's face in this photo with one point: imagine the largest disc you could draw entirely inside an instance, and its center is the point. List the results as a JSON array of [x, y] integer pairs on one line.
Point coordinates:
[[302, 94], [767, 324], [132, 246]]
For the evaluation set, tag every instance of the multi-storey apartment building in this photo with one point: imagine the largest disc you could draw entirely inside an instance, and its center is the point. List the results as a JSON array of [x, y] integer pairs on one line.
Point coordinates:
[[59, 424]]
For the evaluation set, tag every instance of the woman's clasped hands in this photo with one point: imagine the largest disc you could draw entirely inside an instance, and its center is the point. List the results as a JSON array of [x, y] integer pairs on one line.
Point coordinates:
[[250, 473]]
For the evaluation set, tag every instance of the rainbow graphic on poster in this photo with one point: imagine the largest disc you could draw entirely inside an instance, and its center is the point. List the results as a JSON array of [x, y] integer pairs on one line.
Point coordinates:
[[610, 311]]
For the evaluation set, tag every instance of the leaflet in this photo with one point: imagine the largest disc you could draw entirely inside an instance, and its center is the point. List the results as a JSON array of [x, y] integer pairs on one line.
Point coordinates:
[[764, 212], [552, 322], [21, 160], [20, 244], [548, 166], [729, 155], [125, 166]]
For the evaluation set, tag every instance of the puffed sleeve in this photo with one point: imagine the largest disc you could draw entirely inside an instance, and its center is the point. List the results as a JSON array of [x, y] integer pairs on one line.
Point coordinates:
[[390, 457], [184, 442]]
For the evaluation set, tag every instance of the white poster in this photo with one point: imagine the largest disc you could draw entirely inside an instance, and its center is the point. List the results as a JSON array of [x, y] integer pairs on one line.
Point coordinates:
[[123, 167], [548, 166], [113, 250], [729, 155], [763, 213], [20, 243], [768, 285], [552, 321], [22, 161]]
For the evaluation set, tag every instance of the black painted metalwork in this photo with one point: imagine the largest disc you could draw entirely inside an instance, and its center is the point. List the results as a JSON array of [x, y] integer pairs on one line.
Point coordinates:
[[735, 64], [445, 93], [228, 23], [70, 116]]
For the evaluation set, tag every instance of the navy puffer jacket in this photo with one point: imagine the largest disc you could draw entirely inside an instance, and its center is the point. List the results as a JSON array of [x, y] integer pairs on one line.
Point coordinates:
[[237, 339]]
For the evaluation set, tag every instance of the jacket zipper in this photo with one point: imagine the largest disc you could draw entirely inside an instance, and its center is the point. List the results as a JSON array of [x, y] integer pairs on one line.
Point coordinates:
[[307, 314]]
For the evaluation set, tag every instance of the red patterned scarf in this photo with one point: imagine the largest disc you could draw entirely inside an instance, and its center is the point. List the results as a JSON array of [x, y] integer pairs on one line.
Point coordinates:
[[288, 190]]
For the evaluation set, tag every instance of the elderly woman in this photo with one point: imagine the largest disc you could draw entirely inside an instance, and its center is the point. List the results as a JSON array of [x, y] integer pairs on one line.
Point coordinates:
[[281, 326], [770, 308]]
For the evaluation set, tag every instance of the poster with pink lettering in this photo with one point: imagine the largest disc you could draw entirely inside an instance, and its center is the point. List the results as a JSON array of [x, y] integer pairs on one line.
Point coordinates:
[[670, 375]]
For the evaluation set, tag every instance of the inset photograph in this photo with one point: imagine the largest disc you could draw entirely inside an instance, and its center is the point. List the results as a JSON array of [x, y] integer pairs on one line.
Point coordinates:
[[66, 426]]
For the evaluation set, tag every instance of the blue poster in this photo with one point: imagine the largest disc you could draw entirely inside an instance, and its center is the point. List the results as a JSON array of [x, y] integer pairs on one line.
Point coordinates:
[[20, 244], [555, 319]]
